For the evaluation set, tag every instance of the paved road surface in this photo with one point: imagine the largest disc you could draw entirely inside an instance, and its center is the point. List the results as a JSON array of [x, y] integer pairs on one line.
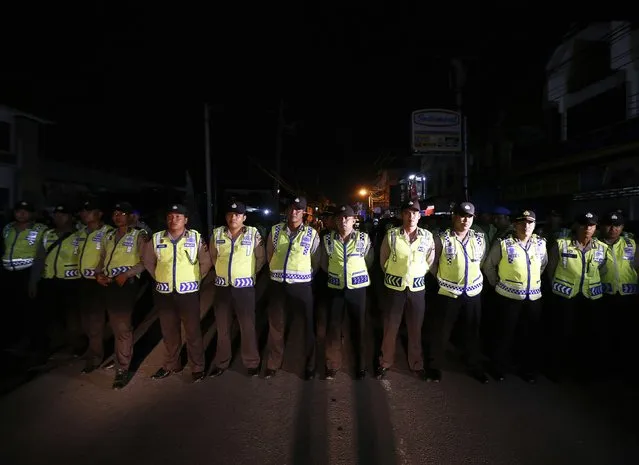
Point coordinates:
[[63, 417]]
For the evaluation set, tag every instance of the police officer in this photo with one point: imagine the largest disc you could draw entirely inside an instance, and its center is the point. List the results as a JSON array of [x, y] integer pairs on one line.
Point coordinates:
[[237, 253], [118, 272], [292, 250], [346, 256], [320, 290], [20, 242], [514, 267], [406, 254], [91, 296], [619, 280], [459, 252], [574, 265], [177, 259], [57, 263]]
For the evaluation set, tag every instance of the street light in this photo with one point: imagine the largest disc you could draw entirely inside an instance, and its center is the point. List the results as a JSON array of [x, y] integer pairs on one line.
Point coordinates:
[[364, 193]]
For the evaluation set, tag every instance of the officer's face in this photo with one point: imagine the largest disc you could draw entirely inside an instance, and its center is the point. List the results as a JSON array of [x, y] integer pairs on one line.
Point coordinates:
[[295, 216], [176, 221], [345, 224], [524, 228], [410, 218], [22, 216], [586, 230], [329, 221], [462, 223], [90, 216], [612, 232], [120, 218], [235, 220], [60, 220]]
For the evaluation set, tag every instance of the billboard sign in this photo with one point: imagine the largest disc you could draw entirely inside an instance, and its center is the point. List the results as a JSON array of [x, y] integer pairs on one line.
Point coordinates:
[[436, 131]]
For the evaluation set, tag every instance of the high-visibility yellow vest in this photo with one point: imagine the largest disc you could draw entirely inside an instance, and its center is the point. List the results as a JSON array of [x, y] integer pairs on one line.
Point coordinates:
[[61, 262], [120, 255], [346, 260], [178, 267], [618, 275], [459, 270], [90, 250], [235, 265], [407, 266], [291, 260], [520, 269], [578, 273], [20, 247]]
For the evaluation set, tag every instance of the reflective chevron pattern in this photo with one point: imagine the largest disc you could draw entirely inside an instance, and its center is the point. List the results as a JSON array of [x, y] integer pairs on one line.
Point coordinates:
[[220, 281], [71, 273], [162, 287], [629, 288], [391, 280], [596, 290], [89, 273], [189, 286], [418, 282], [244, 282], [119, 270], [561, 289]]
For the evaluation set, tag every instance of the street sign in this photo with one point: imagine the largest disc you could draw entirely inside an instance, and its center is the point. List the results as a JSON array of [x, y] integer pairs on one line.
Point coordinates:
[[436, 131]]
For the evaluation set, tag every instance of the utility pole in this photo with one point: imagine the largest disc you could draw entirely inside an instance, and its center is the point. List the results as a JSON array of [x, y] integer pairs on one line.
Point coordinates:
[[210, 206]]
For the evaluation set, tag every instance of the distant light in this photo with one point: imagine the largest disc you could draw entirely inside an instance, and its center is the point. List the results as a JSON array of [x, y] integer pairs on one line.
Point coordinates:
[[363, 192], [411, 177], [267, 211], [316, 208], [278, 191]]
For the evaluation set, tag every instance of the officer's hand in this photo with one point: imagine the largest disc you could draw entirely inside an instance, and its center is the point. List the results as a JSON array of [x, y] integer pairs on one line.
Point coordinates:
[[102, 280], [121, 279], [33, 291]]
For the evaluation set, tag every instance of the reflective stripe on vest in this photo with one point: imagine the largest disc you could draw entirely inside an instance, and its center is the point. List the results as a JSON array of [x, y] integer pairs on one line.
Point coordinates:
[[20, 247], [90, 254], [520, 269], [235, 265], [178, 267], [346, 261], [291, 260], [578, 273], [120, 255], [618, 274], [62, 261], [407, 263], [459, 264]]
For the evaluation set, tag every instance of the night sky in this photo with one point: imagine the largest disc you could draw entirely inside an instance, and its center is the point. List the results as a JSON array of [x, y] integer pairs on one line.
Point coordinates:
[[127, 85]]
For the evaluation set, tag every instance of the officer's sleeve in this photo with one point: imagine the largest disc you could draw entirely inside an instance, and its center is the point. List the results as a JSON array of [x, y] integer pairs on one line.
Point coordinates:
[[139, 268], [269, 248], [636, 260], [430, 254], [485, 251], [315, 254], [438, 253], [38, 264], [553, 260], [204, 257], [369, 255], [544, 256], [149, 259], [384, 253], [99, 269], [324, 258], [258, 250], [491, 264], [213, 251]]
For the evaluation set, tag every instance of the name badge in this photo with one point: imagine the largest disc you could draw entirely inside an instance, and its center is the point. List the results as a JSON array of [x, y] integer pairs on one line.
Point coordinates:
[[421, 249], [160, 246], [220, 241]]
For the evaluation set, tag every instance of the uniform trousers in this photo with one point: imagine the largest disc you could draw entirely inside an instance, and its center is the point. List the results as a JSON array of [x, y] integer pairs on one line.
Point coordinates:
[[623, 321], [283, 297], [518, 325], [18, 309], [467, 310], [119, 303], [414, 304], [174, 309], [354, 302], [241, 301]]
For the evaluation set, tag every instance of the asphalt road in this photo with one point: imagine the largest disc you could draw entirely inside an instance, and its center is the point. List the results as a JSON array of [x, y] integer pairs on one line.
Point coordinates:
[[62, 417]]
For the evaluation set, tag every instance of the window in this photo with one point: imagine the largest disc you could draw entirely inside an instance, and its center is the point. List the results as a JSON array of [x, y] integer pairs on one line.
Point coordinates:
[[590, 64], [5, 136]]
